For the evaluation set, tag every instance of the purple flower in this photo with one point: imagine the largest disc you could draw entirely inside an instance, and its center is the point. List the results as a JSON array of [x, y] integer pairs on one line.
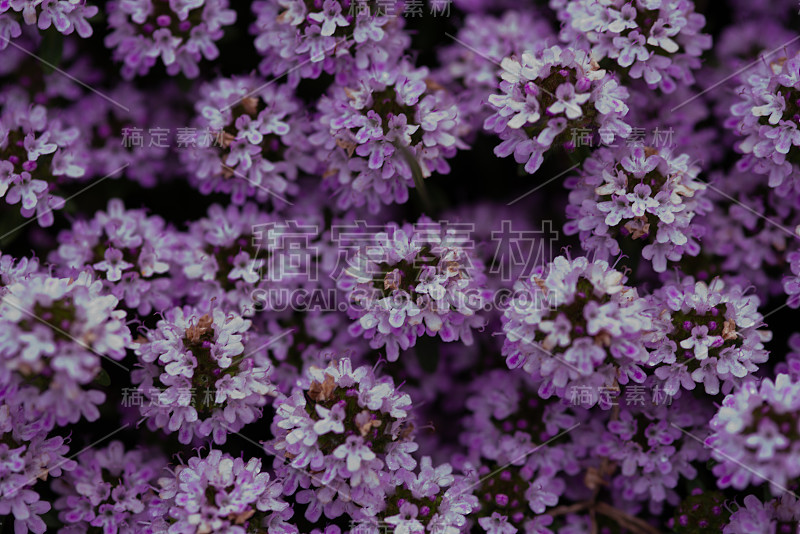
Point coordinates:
[[641, 194], [575, 323], [415, 280], [713, 334], [181, 37], [531, 119], [302, 40], [218, 493], [756, 427], [392, 125], [660, 41]]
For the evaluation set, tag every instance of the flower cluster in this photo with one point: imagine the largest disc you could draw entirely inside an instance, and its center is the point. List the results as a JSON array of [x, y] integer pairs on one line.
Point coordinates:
[[411, 281], [755, 435], [575, 323], [767, 115], [54, 335], [128, 250], [27, 455], [429, 500], [392, 128], [251, 141], [37, 151], [179, 32], [657, 40], [469, 66], [301, 39], [651, 445], [110, 488], [776, 515], [501, 433], [219, 493], [66, 16], [747, 232], [348, 427], [196, 376], [546, 94], [638, 193], [707, 333]]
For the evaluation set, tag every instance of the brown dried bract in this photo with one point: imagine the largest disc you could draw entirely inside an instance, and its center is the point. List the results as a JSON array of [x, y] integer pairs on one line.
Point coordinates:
[[650, 151], [368, 426], [250, 105], [322, 392], [638, 227], [433, 85], [195, 332], [729, 330], [240, 518], [349, 146]]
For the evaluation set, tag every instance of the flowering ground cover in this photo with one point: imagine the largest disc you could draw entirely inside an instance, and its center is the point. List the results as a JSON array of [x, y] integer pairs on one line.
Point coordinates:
[[395, 266]]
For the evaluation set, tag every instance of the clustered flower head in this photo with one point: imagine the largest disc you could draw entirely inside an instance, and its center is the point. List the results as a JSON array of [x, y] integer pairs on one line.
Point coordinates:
[[747, 230], [110, 488], [250, 141], [219, 493], [757, 427], [127, 249], [775, 515], [27, 454], [37, 152], [113, 138], [350, 429], [300, 39], [469, 65], [545, 95], [651, 445], [415, 280], [179, 33], [196, 376], [574, 323], [390, 124], [657, 40], [707, 333], [66, 16], [55, 334], [506, 421], [638, 193], [767, 115]]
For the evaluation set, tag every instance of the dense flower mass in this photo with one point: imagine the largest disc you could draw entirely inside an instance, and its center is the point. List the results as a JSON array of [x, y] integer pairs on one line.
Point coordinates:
[[546, 95], [178, 33], [250, 141], [267, 267], [706, 333], [110, 488], [757, 427], [348, 427], [219, 493], [394, 124], [767, 115], [196, 376], [37, 151], [575, 323], [128, 250], [415, 280], [657, 40], [637, 193], [301, 39], [54, 335], [469, 65]]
